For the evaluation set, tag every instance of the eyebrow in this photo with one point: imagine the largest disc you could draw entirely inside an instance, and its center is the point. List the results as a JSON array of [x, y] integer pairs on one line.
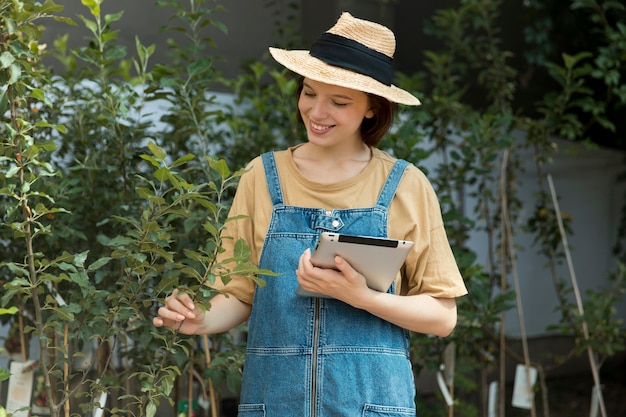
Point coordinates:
[[341, 96]]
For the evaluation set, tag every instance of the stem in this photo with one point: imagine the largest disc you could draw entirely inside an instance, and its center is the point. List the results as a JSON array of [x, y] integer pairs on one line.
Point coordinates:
[[20, 318], [30, 254]]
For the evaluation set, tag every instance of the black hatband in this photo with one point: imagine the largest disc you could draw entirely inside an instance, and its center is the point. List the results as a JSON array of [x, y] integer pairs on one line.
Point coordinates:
[[348, 54]]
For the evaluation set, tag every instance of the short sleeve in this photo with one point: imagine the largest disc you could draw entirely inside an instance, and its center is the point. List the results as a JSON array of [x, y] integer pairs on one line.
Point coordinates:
[[249, 205], [415, 214]]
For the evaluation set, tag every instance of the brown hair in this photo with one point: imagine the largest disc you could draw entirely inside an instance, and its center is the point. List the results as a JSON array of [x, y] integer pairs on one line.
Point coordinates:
[[373, 129]]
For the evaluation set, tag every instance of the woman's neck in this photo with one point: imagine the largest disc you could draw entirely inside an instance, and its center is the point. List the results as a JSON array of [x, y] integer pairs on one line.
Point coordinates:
[[330, 165]]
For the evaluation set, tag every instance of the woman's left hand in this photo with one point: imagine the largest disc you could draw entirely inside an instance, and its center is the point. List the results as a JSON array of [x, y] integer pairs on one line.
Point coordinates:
[[346, 284]]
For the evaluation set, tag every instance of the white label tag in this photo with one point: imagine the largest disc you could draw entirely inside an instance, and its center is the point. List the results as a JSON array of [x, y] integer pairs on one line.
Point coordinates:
[[20, 388], [595, 402], [492, 404], [523, 393]]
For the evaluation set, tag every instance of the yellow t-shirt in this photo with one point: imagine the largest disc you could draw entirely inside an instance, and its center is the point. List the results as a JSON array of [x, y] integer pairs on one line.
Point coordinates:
[[414, 214]]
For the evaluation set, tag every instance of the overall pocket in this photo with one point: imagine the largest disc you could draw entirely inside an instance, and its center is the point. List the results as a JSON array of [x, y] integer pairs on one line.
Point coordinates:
[[373, 410], [251, 410]]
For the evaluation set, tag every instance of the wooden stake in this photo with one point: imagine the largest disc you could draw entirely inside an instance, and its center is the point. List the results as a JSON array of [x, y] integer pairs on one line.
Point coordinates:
[[507, 234], [579, 303], [190, 384], [66, 369], [207, 357]]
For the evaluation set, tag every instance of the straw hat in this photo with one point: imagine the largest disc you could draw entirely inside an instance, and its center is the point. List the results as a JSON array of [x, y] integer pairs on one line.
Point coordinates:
[[355, 54]]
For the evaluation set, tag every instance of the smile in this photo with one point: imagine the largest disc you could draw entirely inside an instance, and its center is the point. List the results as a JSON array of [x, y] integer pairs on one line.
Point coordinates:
[[320, 128]]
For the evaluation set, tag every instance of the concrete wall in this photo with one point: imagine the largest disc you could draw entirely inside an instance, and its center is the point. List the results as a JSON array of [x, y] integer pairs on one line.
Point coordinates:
[[585, 182], [250, 28]]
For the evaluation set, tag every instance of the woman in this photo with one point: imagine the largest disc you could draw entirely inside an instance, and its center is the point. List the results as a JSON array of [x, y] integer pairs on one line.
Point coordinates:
[[348, 354]]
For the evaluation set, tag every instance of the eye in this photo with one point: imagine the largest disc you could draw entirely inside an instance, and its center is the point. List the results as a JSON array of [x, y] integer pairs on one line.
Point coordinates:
[[339, 104], [308, 94]]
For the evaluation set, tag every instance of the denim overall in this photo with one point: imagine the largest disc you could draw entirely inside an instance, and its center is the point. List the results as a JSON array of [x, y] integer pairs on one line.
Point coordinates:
[[318, 357]]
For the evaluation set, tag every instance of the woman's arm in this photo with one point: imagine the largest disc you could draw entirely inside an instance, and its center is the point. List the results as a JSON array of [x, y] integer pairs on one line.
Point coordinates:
[[419, 313], [179, 312]]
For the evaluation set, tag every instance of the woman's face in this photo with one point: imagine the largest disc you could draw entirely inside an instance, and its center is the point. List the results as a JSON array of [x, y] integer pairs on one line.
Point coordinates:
[[332, 115]]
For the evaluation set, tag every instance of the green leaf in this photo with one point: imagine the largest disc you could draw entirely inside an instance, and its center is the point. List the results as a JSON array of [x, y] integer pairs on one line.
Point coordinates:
[[10, 310], [183, 160], [150, 159], [119, 241], [93, 5], [50, 7], [162, 174], [220, 166], [4, 375], [151, 409], [114, 17], [157, 151], [64, 266], [90, 24], [63, 19], [166, 284], [39, 94], [144, 193], [199, 66], [79, 259], [64, 314], [12, 171], [80, 278], [6, 59], [571, 60], [59, 128], [220, 26], [14, 73], [99, 263]]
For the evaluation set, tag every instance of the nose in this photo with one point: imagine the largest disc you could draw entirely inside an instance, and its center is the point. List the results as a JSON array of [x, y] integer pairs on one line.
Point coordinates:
[[318, 109]]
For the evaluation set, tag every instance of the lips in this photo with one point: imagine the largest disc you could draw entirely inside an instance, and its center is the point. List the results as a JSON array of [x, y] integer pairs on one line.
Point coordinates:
[[320, 128]]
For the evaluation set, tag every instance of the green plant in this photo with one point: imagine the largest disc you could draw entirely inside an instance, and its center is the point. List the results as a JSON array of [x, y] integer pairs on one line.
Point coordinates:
[[130, 213], [575, 110], [471, 95]]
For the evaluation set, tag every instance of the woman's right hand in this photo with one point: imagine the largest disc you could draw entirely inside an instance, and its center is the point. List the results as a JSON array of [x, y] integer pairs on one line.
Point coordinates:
[[180, 313]]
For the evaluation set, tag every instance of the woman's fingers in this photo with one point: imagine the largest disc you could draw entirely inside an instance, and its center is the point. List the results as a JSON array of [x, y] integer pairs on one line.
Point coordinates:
[[177, 307], [180, 301]]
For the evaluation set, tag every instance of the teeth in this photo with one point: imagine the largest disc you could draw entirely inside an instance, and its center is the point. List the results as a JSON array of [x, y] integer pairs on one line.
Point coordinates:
[[318, 127]]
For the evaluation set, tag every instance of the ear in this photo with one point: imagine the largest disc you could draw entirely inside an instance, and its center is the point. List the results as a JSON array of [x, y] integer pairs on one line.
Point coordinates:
[[370, 113]]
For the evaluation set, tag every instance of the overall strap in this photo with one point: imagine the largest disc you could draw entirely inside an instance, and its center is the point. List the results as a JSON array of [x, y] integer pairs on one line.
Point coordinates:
[[271, 176], [391, 185]]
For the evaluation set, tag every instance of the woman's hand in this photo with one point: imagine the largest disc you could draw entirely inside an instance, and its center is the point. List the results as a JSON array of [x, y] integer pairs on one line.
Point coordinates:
[[420, 313], [179, 312], [346, 284]]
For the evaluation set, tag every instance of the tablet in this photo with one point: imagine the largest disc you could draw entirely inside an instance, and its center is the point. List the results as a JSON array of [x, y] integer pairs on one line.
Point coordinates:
[[377, 259]]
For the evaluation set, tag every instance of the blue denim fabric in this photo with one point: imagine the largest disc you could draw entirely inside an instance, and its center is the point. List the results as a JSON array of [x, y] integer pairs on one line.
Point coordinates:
[[314, 357]]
